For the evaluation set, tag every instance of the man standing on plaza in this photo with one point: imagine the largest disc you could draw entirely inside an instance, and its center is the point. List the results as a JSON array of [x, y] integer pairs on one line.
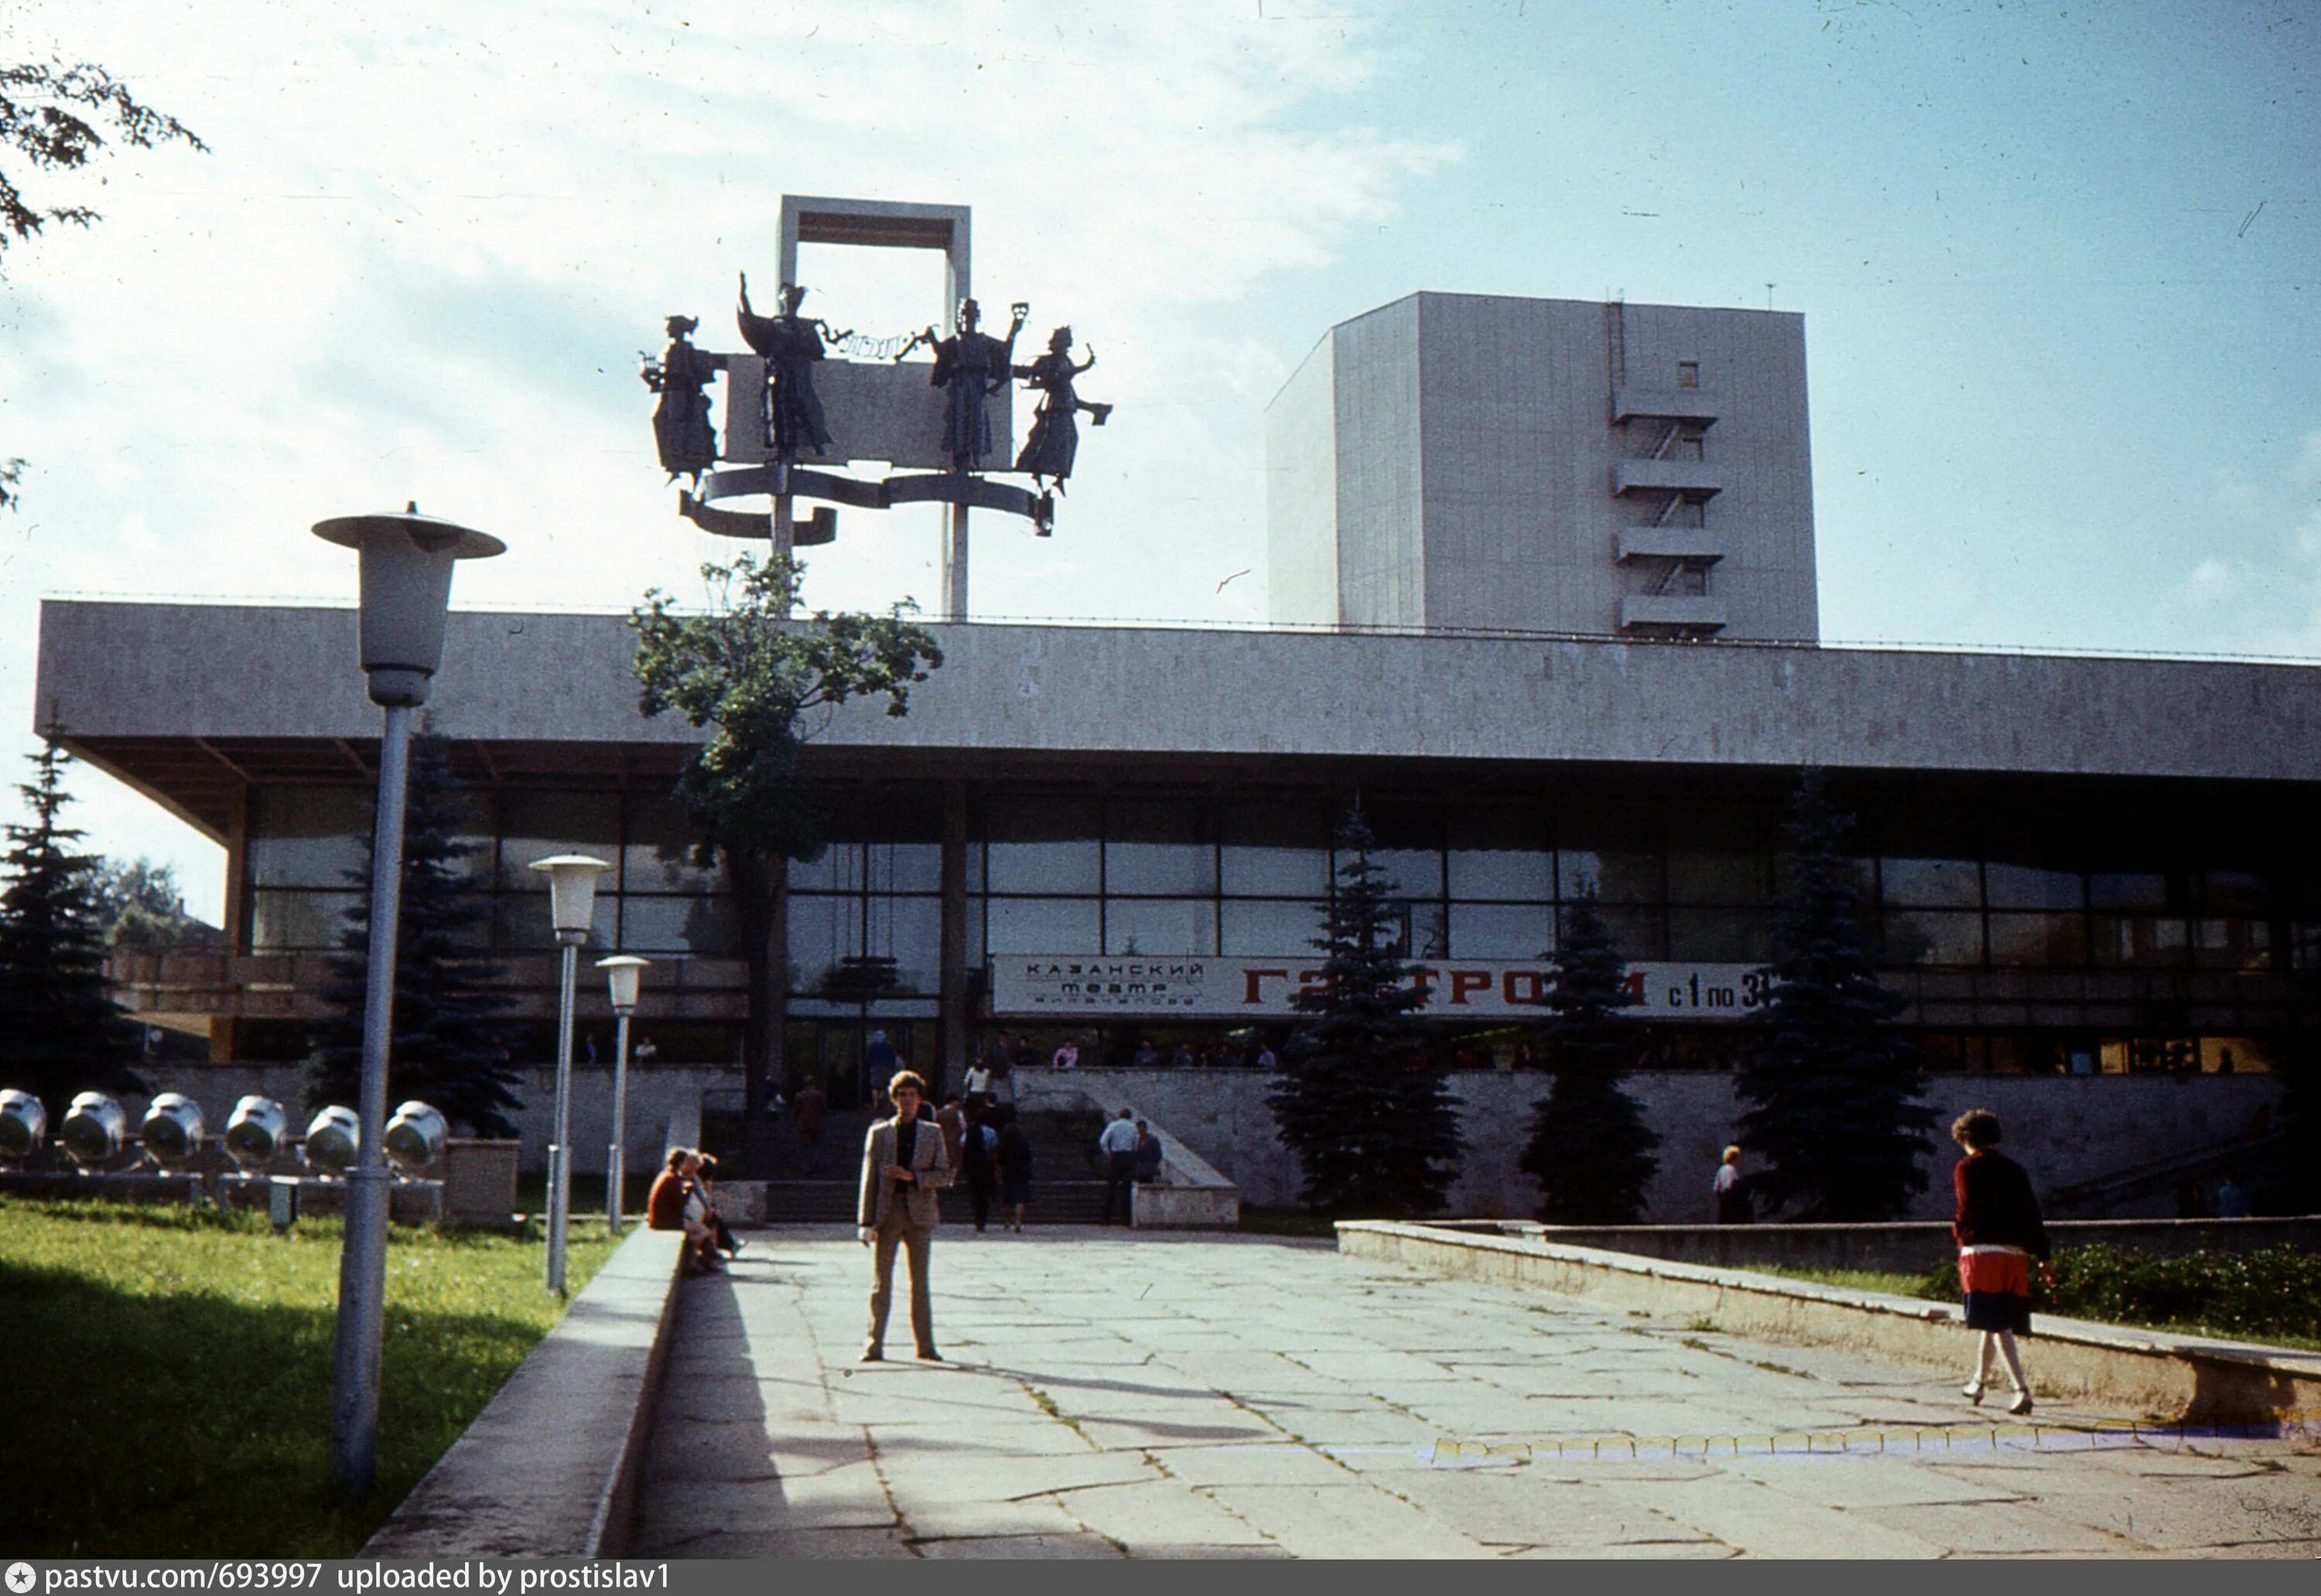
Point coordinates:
[[1118, 1144], [904, 1166]]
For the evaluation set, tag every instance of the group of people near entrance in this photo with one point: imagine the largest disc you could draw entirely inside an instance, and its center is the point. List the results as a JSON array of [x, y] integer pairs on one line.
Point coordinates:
[[2000, 1239]]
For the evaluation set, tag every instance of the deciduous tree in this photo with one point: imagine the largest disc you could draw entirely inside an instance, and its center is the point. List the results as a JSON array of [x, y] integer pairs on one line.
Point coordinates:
[[761, 683]]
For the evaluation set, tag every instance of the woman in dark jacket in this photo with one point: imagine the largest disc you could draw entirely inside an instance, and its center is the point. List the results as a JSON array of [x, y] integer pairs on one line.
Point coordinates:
[[1014, 1159], [1998, 1233]]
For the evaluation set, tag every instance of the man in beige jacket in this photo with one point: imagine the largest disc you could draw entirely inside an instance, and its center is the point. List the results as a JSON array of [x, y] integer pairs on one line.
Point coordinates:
[[904, 1166]]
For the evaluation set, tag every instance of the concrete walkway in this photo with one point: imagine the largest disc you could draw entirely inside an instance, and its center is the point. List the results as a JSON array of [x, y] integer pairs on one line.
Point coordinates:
[[1240, 1397]]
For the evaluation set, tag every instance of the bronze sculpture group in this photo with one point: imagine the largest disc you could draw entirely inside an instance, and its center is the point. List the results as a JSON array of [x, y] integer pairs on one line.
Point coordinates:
[[970, 366]]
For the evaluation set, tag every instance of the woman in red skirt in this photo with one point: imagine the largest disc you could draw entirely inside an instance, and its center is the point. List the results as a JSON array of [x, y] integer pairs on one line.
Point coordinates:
[[2000, 1235]]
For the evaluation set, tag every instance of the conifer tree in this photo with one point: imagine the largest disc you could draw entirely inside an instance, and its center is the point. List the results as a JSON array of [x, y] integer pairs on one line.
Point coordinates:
[[60, 1031], [1832, 1083], [1366, 1112], [450, 1037], [1590, 1151]]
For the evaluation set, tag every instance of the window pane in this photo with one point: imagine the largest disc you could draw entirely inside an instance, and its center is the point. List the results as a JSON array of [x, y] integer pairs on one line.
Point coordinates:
[[703, 925], [1043, 926], [1268, 928], [1425, 929], [2232, 944], [520, 923], [1274, 849], [1043, 846], [281, 921], [909, 931], [1159, 927], [1616, 856], [838, 869], [1713, 857], [1933, 936], [2056, 941], [541, 825], [1503, 853], [307, 836], [904, 867], [2023, 886], [658, 855], [1719, 935], [2138, 940], [1158, 848], [1408, 849], [2113, 890], [1501, 931], [2231, 892], [1931, 883], [1639, 932], [823, 929]]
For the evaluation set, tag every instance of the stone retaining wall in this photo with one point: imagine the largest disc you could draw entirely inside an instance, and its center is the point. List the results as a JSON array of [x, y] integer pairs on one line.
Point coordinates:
[[2179, 1379]]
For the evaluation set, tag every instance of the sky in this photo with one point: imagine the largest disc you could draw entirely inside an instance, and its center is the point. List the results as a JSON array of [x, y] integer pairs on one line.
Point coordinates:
[[2059, 266]]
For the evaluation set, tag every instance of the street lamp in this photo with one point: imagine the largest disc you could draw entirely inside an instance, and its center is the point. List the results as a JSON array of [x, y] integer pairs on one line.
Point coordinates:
[[406, 578], [621, 974], [571, 903]]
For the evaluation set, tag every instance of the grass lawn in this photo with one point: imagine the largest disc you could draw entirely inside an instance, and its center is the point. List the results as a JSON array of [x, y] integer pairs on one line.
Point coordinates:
[[2271, 1295], [168, 1372]]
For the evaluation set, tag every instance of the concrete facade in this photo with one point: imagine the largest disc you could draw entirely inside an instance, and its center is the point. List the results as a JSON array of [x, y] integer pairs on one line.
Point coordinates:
[[2064, 1129], [1486, 456]]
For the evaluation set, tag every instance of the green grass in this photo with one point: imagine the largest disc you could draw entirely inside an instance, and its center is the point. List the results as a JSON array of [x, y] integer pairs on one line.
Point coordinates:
[[1294, 1222], [2273, 1294], [169, 1371]]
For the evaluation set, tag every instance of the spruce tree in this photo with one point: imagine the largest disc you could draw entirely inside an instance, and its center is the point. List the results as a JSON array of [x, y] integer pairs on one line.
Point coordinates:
[[450, 1039], [1590, 1151], [1366, 1112], [1833, 1084], [61, 1033]]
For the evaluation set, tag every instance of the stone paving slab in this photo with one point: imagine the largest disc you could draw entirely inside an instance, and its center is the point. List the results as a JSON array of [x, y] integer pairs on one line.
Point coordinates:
[[1240, 1397]]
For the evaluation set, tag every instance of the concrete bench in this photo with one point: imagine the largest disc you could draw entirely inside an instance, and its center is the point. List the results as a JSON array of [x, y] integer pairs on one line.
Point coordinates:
[[551, 1467]]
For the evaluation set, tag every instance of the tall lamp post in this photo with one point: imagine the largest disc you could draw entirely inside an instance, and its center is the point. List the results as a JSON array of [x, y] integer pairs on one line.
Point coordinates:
[[571, 902], [621, 974], [406, 578]]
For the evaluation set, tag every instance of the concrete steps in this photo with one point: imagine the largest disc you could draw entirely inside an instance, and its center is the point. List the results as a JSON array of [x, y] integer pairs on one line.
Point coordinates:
[[832, 1202]]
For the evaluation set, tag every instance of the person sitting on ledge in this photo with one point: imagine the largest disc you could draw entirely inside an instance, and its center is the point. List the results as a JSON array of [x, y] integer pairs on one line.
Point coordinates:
[[675, 1203]]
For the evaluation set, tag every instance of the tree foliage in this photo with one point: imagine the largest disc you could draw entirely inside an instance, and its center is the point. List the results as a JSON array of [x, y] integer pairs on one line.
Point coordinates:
[[761, 683], [450, 1038], [1367, 1113], [1833, 1084], [63, 1033], [140, 906], [1589, 1150]]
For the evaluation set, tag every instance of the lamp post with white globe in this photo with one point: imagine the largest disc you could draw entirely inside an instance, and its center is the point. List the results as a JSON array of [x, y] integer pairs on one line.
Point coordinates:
[[621, 974], [405, 582], [571, 905]]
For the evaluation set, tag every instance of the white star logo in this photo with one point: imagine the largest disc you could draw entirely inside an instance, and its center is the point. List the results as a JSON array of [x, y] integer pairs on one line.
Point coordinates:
[[21, 1577]]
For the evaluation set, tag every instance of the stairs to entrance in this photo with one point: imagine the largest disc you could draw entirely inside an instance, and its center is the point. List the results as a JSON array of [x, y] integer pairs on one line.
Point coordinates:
[[832, 1202]]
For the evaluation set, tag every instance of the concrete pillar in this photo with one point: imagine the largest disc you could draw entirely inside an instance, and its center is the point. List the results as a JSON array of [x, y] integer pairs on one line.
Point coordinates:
[[954, 1003]]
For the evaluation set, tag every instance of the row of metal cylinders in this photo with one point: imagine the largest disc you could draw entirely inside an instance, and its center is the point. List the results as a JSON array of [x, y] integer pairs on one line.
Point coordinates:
[[95, 1129]]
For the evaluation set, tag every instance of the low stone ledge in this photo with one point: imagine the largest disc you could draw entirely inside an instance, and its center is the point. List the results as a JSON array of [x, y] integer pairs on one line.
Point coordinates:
[[551, 1466], [2187, 1379]]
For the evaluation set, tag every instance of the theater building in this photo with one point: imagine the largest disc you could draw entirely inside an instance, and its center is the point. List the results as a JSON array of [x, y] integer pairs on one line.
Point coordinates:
[[1543, 582]]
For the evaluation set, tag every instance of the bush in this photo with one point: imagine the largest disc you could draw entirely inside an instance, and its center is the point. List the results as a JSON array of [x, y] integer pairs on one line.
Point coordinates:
[[2265, 1295]]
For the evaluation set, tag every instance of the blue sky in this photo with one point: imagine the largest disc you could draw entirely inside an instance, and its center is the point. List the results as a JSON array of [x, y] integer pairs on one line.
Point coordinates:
[[2059, 266]]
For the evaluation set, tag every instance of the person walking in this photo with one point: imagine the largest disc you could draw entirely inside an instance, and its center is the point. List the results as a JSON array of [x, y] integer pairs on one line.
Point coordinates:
[[1014, 1157], [1998, 1233], [978, 1149], [902, 1168], [1118, 1145], [1732, 1204], [806, 1114]]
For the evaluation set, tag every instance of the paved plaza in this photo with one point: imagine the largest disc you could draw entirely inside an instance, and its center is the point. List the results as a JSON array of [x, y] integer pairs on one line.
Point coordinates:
[[1234, 1396]]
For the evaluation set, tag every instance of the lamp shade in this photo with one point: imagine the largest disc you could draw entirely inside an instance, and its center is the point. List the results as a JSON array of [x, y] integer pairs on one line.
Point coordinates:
[[23, 1125], [334, 1140], [621, 976], [414, 1137], [571, 891], [406, 585], [255, 1130], [94, 1129], [172, 1129]]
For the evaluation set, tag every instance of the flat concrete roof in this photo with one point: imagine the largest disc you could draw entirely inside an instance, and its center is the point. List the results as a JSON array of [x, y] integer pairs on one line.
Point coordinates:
[[183, 699]]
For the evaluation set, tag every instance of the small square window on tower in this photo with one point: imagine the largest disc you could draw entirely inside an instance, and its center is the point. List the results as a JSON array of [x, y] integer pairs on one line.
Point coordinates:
[[1687, 374]]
